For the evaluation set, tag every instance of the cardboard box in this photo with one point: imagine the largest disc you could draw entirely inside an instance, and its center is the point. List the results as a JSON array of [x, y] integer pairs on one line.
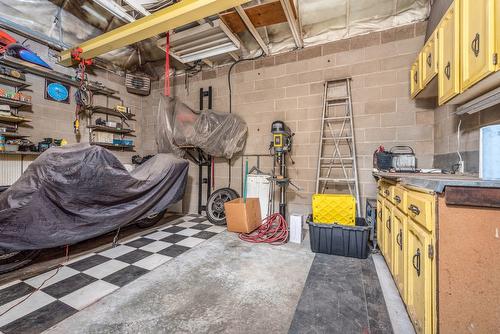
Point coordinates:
[[243, 217]]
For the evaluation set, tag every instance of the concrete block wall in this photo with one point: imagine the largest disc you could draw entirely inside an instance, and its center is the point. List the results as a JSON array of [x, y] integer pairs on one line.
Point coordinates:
[[446, 142], [289, 87], [55, 120]]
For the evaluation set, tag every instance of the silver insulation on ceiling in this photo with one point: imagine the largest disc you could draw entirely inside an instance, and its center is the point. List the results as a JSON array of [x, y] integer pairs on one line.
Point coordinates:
[[322, 21]]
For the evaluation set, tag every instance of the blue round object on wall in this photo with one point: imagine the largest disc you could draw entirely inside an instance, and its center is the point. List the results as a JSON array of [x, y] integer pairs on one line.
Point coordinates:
[[57, 91]]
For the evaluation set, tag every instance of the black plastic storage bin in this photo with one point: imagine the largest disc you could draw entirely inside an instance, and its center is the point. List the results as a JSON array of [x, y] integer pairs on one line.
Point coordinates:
[[351, 241]]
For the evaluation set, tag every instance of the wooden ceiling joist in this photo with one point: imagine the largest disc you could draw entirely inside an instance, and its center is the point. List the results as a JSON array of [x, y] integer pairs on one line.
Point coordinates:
[[260, 15]]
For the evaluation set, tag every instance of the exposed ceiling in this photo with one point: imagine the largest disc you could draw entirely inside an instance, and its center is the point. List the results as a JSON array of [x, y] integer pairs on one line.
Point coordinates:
[[318, 21]]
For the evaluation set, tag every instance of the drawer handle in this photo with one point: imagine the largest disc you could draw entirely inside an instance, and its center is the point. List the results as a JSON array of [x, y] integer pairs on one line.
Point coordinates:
[[386, 192], [429, 60], [397, 199], [415, 77], [416, 261], [388, 224], [414, 209], [447, 70], [475, 45], [399, 239], [380, 214]]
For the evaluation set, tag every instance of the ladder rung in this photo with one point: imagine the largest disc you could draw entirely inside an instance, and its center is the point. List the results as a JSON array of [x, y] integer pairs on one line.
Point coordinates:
[[337, 118], [336, 180], [346, 158], [335, 104], [336, 98], [332, 138]]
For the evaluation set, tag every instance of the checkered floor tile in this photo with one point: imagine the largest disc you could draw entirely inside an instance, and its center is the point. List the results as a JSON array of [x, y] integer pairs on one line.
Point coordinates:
[[84, 280]]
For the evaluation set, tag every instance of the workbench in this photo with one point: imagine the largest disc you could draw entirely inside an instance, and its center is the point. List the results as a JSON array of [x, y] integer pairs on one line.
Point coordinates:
[[440, 237]]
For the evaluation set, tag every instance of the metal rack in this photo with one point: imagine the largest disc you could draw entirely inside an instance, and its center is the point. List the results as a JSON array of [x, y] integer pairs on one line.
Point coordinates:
[[123, 132], [202, 160], [16, 106]]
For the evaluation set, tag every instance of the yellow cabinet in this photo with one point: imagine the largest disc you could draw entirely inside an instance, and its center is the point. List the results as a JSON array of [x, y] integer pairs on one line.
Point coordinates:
[[380, 224], [449, 55], [399, 251], [419, 281], [478, 40], [387, 231], [400, 198], [497, 33], [429, 59], [421, 208], [415, 78]]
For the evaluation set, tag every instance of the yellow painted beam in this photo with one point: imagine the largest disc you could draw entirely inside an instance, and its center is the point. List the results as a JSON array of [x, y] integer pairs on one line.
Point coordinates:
[[179, 14]]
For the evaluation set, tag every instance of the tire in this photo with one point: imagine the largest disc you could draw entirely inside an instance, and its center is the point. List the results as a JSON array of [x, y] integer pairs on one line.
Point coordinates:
[[215, 205], [151, 220], [10, 261]]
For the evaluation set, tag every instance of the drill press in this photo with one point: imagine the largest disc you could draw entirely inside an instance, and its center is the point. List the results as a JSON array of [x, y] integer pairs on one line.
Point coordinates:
[[280, 146]]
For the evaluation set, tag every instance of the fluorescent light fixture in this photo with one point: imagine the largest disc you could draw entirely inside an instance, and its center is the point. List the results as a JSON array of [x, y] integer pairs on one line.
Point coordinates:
[[204, 41], [137, 6], [115, 9], [480, 103]]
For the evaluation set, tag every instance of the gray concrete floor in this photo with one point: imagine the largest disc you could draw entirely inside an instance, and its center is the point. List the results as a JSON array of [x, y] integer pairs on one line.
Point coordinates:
[[222, 286], [229, 286]]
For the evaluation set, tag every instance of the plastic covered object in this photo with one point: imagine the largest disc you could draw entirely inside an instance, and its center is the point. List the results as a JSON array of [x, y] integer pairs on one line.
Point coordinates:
[[77, 192], [217, 134]]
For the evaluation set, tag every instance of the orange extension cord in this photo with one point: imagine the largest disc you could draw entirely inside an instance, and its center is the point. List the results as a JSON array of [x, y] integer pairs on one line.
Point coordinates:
[[273, 231]]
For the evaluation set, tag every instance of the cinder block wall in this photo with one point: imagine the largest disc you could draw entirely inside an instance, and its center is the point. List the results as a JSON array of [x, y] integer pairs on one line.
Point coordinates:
[[446, 140], [289, 87], [55, 120]]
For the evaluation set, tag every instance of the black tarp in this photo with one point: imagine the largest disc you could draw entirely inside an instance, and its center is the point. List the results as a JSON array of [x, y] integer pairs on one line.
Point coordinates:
[[76, 192]]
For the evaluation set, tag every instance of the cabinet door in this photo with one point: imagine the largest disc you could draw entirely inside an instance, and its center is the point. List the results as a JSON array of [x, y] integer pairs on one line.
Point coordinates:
[[429, 59], [415, 78], [478, 43], [399, 251], [388, 207], [380, 225], [419, 278], [497, 33], [449, 55]]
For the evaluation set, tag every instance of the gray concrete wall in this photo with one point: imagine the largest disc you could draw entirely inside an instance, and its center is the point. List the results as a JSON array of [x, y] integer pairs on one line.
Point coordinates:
[[289, 87]]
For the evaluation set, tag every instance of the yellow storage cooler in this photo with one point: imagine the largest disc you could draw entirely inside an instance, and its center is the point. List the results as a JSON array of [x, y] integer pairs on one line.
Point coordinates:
[[334, 209]]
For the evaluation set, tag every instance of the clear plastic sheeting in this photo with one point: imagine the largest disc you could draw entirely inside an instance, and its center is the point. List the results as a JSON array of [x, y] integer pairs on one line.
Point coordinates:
[[77, 192], [217, 134]]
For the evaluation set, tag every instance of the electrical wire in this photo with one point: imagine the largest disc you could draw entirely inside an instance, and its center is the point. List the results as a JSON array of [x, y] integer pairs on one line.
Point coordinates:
[[273, 231], [40, 286], [229, 77]]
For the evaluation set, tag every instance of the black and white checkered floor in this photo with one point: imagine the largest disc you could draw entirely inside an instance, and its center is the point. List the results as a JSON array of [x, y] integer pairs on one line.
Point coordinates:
[[84, 280]]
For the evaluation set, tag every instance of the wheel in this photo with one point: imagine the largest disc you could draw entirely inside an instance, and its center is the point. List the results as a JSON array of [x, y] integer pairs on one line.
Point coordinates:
[[150, 220], [215, 205], [10, 260]]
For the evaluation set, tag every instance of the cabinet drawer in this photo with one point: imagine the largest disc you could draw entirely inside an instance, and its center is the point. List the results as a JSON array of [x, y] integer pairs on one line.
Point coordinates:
[[429, 59], [384, 189], [449, 55], [477, 34], [400, 198], [420, 207]]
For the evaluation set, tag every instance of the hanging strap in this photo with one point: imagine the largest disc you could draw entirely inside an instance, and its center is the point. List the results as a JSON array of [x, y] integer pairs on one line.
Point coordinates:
[[167, 65]]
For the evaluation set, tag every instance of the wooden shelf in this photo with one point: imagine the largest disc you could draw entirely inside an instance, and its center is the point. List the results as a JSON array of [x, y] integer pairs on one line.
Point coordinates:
[[14, 119], [109, 145], [20, 153], [13, 135], [103, 128], [13, 82], [13, 103], [54, 75], [112, 112]]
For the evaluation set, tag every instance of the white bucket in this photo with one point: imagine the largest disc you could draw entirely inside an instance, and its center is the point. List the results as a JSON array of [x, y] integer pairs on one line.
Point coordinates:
[[489, 152]]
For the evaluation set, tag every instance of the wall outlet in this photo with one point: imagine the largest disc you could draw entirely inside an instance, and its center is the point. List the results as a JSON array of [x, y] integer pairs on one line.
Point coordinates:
[[461, 167]]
